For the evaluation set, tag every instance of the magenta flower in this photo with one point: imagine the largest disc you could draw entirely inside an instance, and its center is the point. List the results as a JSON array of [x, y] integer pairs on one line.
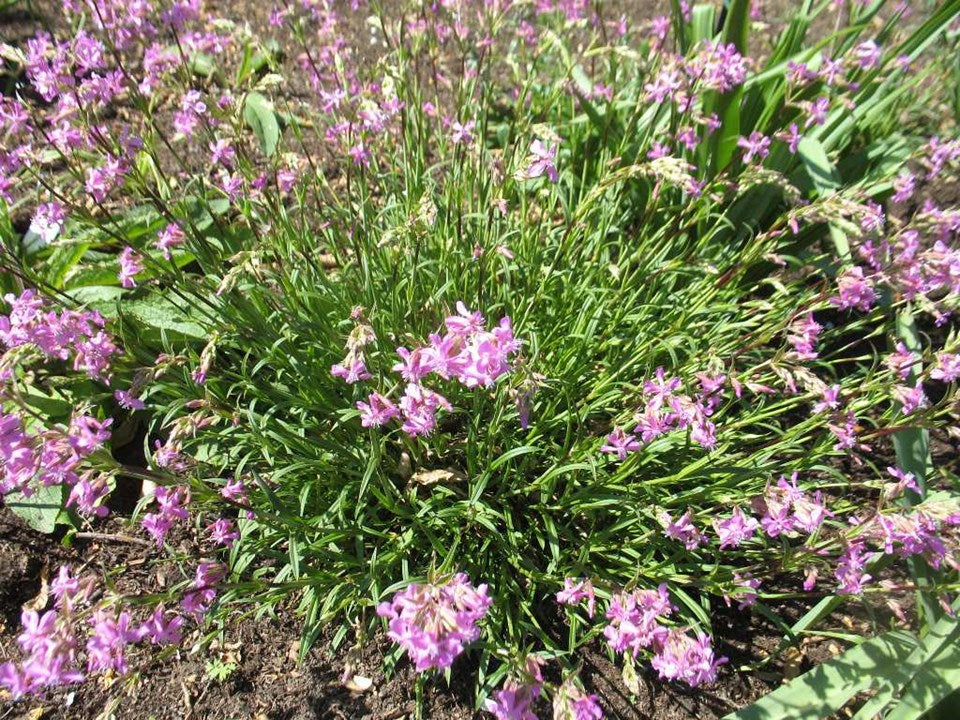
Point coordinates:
[[171, 504], [203, 591], [513, 701], [829, 399], [757, 145], [465, 323], [735, 529], [131, 263], [745, 590], [659, 390], [911, 399], [854, 291], [87, 434], [59, 335], [222, 152], [809, 514], [846, 434], [634, 619], [378, 411], [355, 371], [223, 532], [47, 220], [948, 367], [234, 490], [575, 591], [850, 570], [127, 400], [414, 364], [905, 481], [682, 657], [571, 703], [803, 334], [792, 137], [902, 361], [87, 493], [419, 407], [170, 237], [162, 630], [542, 161], [108, 640], [867, 54], [620, 443], [433, 623], [777, 519], [681, 529], [904, 187]]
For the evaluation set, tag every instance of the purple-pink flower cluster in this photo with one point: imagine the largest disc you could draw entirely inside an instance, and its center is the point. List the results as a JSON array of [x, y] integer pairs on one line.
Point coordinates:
[[171, 507], [59, 335], [467, 352], [434, 622], [50, 640], [666, 410], [635, 625], [54, 457]]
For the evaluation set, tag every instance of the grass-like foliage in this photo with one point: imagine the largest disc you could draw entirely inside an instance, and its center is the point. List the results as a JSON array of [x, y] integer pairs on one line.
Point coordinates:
[[541, 330]]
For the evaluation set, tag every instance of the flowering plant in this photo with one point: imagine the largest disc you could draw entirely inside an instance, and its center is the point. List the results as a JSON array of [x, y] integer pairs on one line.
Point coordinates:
[[506, 372]]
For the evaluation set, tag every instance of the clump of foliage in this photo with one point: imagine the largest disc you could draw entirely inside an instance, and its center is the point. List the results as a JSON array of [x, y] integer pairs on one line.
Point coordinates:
[[545, 329]]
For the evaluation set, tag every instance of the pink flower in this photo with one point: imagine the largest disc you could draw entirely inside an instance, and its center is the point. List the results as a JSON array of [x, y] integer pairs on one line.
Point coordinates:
[[829, 399], [419, 406], [634, 619], [223, 532], [809, 514], [911, 399], [757, 145], [682, 657], [130, 264], [850, 570], [792, 137], [574, 591], [745, 593], [571, 703], [127, 400], [462, 133], [854, 291], [948, 367], [162, 630], [355, 371], [735, 529], [465, 323], [170, 237], [222, 152], [433, 623], [542, 161], [48, 219], [620, 443], [867, 54], [902, 361], [682, 529], [378, 411], [803, 334], [904, 187], [414, 365], [513, 701], [108, 640]]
